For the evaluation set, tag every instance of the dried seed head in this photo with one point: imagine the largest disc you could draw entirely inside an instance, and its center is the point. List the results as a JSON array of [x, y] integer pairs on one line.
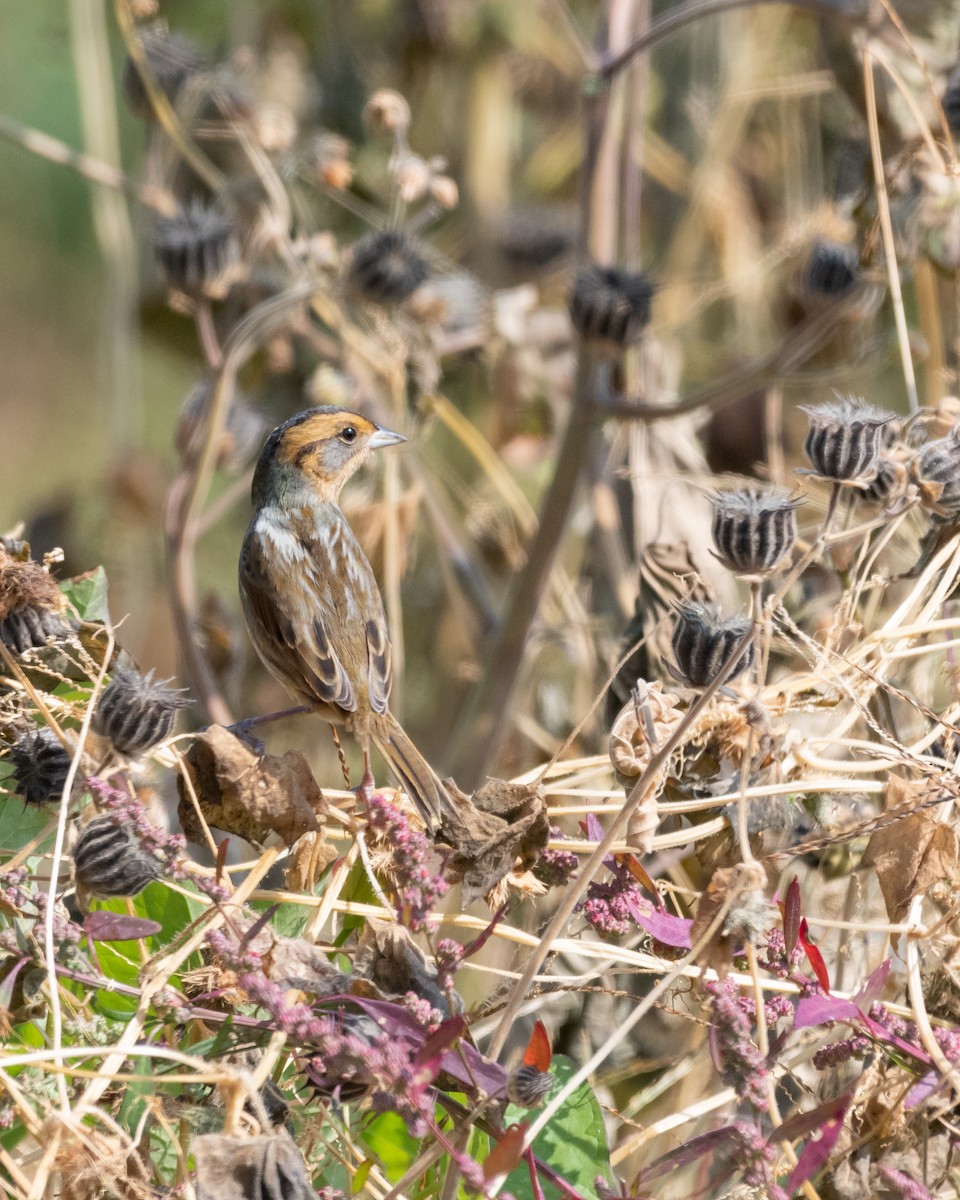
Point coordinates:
[[889, 482], [951, 101], [844, 440], [31, 628], [649, 716], [333, 161], [528, 1087], [753, 531], [108, 860], [136, 712], [704, 642], [173, 59], [387, 112], [240, 440], [40, 767], [832, 269], [609, 305], [195, 247], [31, 603], [936, 471], [387, 267]]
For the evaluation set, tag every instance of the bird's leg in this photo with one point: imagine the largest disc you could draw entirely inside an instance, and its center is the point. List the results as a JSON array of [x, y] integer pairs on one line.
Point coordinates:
[[344, 765], [367, 786], [243, 729]]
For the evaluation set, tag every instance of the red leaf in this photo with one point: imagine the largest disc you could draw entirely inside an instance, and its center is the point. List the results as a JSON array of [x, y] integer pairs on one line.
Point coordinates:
[[635, 868], [802, 1124], [538, 1052], [481, 939], [791, 917], [815, 1154], [440, 1041], [689, 1152], [506, 1153], [114, 927], [814, 957]]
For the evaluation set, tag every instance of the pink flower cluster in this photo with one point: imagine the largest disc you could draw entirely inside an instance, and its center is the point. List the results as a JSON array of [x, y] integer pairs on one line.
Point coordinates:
[[418, 888], [738, 1059]]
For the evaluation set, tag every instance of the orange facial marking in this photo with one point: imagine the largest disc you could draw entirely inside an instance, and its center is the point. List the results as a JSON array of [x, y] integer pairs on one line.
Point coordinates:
[[317, 429]]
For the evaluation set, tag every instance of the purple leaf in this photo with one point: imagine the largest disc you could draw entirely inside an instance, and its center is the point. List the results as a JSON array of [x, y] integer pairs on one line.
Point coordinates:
[[791, 917], [818, 1010], [117, 927], [481, 939], [594, 828], [873, 988], [815, 1154], [928, 1085], [672, 931], [441, 1040], [687, 1153], [6, 987], [805, 1123]]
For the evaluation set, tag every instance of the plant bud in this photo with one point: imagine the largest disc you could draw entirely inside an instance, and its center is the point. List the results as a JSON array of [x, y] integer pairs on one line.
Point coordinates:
[[704, 642], [387, 112], [753, 531], [832, 269], [136, 712], [173, 59], [387, 267], [936, 471], [195, 247], [108, 860], [528, 1087], [609, 305], [844, 440], [40, 767]]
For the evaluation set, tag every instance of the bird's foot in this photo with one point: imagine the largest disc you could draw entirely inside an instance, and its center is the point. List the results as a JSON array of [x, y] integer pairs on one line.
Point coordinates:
[[244, 729], [367, 789]]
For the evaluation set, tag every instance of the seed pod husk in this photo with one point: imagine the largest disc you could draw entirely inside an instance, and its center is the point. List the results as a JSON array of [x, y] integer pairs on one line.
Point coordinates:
[[936, 471], [528, 1087], [387, 267], [172, 58], [137, 712], [753, 532], [844, 440], [108, 860], [890, 480], [704, 642], [610, 306], [40, 767], [31, 603], [195, 247], [832, 269]]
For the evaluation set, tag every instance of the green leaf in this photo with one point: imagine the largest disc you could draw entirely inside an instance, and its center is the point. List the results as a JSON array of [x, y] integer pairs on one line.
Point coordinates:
[[574, 1143], [288, 921], [20, 823], [88, 595], [387, 1137], [136, 1096]]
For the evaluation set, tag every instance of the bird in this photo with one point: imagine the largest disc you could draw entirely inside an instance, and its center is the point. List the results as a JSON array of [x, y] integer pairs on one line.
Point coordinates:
[[310, 598]]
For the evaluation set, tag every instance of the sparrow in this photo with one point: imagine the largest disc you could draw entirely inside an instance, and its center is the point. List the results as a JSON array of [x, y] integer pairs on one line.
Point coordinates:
[[309, 596]]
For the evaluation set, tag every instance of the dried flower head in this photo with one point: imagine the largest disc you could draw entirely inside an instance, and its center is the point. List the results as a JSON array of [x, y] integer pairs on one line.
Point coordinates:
[[136, 712], [173, 60], [332, 153], [387, 267], [844, 440], [108, 860], [387, 112], [890, 481], [528, 1087], [31, 604], [40, 767], [609, 305], [241, 438], [704, 643], [832, 269], [195, 247], [936, 471], [650, 715], [753, 531], [951, 101]]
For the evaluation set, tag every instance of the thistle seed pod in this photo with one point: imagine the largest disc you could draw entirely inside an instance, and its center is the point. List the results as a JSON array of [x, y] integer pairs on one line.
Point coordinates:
[[704, 642], [40, 767], [108, 860], [528, 1087], [136, 712], [832, 269], [753, 531], [195, 247], [951, 101], [31, 603], [241, 438], [936, 471], [387, 267], [31, 628], [173, 59], [890, 479], [610, 305], [844, 440]]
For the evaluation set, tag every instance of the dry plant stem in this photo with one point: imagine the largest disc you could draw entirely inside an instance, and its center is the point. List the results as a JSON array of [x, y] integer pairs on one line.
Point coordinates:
[[93, 169], [886, 228], [915, 989]]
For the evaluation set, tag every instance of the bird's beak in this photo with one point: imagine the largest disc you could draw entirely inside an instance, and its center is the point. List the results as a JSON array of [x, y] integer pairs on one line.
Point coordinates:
[[384, 437]]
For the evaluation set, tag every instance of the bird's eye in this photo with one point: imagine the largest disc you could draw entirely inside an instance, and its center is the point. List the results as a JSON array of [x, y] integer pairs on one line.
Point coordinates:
[[348, 435]]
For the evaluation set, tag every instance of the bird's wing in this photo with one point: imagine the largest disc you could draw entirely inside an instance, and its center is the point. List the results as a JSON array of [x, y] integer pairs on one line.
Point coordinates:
[[379, 661], [289, 613]]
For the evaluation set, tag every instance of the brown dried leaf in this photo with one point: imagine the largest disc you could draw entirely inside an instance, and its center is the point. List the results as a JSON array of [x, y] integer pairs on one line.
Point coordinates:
[[27, 584], [309, 858], [254, 1168], [503, 828], [648, 712], [745, 878], [388, 957], [297, 963], [243, 793], [910, 856]]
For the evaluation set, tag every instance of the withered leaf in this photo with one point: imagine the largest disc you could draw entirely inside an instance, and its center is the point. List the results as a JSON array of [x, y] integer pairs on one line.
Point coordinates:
[[503, 827], [912, 853], [390, 959], [243, 793], [719, 950], [309, 858], [297, 963], [644, 724], [253, 1168]]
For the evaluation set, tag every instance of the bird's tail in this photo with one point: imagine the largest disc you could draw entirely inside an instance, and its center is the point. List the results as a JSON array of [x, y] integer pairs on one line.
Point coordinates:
[[417, 777]]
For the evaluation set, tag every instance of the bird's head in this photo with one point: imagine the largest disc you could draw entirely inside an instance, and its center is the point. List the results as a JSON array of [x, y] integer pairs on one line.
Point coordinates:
[[321, 448]]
